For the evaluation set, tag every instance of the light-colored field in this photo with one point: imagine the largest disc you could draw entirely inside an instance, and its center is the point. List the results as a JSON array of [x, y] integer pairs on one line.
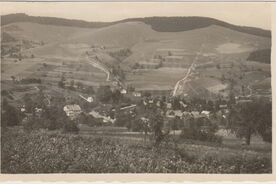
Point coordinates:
[[212, 36], [40, 32], [73, 70], [162, 78], [18, 69], [229, 48]]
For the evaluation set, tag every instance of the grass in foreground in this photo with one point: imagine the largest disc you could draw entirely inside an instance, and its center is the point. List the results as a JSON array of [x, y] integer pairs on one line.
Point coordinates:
[[44, 152]]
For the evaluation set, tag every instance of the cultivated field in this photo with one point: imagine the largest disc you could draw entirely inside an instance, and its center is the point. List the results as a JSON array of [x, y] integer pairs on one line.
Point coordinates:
[[45, 152], [153, 79]]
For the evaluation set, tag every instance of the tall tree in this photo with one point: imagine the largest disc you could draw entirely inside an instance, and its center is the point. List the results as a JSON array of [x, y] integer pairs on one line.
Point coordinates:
[[250, 118], [9, 114], [104, 94]]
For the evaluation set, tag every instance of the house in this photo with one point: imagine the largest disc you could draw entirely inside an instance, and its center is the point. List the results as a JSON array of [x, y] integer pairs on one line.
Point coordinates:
[[223, 106], [178, 113], [195, 114], [72, 111], [22, 108], [174, 113], [137, 94], [123, 91], [89, 99], [169, 105], [106, 119], [182, 103], [158, 104], [170, 114], [206, 113], [95, 114], [38, 110], [145, 103]]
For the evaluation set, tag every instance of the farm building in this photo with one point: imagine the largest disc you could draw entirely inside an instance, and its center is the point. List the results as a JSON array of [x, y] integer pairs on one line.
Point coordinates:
[[169, 105], [123, 91], [174, 113], [223, 106], [206, 113], [137, 94], [195, 114], [104, 118], [89, 99], [72, 111]]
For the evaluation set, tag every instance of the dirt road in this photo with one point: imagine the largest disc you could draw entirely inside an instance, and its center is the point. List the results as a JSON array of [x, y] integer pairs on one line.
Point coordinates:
[[189, 72], [100, 66]]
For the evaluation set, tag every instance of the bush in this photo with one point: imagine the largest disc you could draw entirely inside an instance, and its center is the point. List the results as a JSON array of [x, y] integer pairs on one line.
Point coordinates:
[[10, 116], [30, 81], [201, 136], [201, 129], [70, 126]]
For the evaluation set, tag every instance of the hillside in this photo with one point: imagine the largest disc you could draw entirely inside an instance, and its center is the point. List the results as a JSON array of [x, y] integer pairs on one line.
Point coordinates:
[[22, 17], [159, 24], [178, 24], [158, 49], [42, 32]]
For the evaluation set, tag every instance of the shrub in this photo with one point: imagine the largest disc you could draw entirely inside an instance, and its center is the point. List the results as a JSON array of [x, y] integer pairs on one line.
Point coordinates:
[[30, 81], [201, 136], [70, 126], [201, 129]]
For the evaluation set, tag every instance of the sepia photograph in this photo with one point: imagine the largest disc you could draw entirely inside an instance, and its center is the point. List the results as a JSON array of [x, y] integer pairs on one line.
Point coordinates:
[[136, 87]]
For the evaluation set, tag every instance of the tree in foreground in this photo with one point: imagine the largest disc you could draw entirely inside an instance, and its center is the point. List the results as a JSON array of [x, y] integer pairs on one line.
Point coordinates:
[[247, 119], [9, 114]]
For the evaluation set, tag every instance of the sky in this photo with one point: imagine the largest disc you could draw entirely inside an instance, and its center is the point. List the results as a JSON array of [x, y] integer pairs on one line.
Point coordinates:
[[255, 14]]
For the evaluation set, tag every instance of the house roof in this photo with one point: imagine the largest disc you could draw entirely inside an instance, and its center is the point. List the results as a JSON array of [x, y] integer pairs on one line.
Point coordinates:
[[73, 107]]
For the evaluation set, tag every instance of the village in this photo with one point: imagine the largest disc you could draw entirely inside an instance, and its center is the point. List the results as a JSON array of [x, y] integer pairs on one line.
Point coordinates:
[[114, 107], [185, 94]]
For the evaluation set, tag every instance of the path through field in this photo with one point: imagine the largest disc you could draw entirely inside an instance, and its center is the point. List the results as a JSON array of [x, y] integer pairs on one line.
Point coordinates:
[[100, 66], [183, 80]]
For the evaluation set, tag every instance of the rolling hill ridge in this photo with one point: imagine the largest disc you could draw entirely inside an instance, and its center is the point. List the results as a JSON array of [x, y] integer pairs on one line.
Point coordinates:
[[159, 24]]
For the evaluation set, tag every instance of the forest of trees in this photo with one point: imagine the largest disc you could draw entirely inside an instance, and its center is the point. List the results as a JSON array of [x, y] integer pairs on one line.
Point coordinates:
[[262, 56]]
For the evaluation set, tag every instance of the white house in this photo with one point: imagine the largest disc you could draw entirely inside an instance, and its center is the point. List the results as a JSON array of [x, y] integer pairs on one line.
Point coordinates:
[[206, 113], [137, 94], [174, 113], [72, 111], [183, 105], [195, 114], [123, 91], [169, 105], [90, 99]]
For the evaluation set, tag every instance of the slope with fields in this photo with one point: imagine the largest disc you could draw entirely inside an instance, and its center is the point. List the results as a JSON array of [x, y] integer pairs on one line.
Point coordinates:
[[148, 43]]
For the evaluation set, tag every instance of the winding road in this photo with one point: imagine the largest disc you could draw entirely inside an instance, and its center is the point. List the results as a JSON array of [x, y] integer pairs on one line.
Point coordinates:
[[104, 68], [189, 72], [100, 66]]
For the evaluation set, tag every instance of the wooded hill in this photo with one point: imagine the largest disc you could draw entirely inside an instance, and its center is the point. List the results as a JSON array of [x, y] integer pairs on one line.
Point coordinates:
[[160, 24]]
